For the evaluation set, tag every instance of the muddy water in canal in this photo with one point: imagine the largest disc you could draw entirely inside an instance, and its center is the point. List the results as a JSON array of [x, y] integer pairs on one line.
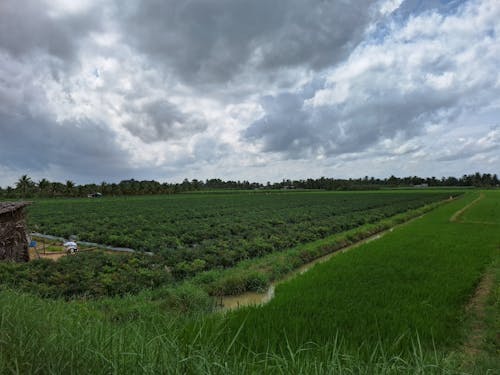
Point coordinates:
[[253, 298]]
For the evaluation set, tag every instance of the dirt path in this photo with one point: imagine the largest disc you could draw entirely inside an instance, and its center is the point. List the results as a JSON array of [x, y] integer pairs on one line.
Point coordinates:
[[87, 244], [56, 255], [53, 256], [476, 308], [38, 253]]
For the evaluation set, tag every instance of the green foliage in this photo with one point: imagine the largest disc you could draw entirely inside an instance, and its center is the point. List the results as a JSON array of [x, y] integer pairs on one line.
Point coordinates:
[[198, 232], [93, 274], [184, 298], [123, 337], [274, 266], [195, 234]]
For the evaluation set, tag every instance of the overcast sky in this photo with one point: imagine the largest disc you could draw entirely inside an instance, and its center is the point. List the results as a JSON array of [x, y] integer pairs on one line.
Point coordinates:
[[262, 90]]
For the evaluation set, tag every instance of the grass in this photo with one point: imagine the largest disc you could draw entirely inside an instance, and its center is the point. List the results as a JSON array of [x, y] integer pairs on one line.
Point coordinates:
[[411, 283], [50, 337], [392, 306], [486, 212]]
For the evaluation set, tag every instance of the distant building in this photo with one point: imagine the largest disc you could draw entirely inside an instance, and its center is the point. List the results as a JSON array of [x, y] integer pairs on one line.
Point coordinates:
[[13, 236], [421, 186], [94, 195]]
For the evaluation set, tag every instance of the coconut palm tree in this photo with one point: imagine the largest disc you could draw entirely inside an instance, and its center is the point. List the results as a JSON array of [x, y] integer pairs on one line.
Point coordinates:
[[44, 186], [25, 186]]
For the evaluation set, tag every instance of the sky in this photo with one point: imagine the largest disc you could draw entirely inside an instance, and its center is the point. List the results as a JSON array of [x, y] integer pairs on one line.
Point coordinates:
[[106, 90]]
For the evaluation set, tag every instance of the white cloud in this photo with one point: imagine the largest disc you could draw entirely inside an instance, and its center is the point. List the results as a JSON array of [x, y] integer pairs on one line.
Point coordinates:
[[425, 72], [389, 6], [381, 91]]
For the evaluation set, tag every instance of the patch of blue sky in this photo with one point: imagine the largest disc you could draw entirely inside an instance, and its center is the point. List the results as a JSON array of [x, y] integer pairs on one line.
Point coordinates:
[[411, 8], [416, 7]]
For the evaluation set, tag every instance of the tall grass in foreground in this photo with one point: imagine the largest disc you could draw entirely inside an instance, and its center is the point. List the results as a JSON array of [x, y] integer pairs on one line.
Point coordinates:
[[51, 337], [392, 306]]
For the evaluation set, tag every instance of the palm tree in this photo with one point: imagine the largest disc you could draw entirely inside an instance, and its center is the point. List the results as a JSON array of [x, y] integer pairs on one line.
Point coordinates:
[[43, 186], [25, 186]]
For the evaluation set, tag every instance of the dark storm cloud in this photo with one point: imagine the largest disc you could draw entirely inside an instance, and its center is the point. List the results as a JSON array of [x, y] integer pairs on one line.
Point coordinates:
[[32, 140], [211, 41], [26, 27], [297, 129], [286, 126], [78, 80], [300, 131], [79, 148], [161, 120], [211, 150]]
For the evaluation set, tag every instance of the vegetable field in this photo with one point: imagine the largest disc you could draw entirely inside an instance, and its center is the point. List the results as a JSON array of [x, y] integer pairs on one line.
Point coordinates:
[[195, 232]]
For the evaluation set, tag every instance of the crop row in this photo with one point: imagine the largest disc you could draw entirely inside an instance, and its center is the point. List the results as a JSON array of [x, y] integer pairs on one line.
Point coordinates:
[[199, 232]]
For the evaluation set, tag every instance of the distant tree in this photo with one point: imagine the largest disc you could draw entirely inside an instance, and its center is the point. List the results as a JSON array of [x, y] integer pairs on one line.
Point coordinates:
[[70, 188], [494, 180], [58, 189], [44, 187], [25, 186], [393, 180]]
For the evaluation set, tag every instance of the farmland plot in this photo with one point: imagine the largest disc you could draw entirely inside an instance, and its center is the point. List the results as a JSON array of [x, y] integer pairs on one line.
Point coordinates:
[[392, 306], [218, 230], [406, 290]]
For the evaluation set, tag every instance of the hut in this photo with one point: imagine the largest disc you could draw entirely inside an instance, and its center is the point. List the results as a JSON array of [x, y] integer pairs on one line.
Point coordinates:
[[13, 237]]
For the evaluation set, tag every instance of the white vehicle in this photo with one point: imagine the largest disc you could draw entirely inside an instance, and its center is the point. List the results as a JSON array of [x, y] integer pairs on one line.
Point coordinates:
[[71, 247]]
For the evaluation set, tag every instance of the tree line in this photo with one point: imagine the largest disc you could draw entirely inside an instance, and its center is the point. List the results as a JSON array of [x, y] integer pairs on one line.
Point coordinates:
[[25, 187]]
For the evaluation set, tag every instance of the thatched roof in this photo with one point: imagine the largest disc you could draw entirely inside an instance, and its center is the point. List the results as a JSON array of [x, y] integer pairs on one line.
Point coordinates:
[[6, 207]]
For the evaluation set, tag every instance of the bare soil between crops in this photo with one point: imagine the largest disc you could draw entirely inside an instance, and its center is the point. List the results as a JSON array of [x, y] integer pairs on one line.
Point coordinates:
[[56, 255], [476, 308]]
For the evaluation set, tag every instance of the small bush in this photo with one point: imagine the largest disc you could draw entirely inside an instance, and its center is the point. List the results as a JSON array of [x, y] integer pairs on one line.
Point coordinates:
[[184, 298]]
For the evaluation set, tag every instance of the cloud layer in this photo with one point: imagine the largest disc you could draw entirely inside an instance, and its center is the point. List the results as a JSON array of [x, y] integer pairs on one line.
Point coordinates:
[[204, 42], [427, 71], [248, 90]]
